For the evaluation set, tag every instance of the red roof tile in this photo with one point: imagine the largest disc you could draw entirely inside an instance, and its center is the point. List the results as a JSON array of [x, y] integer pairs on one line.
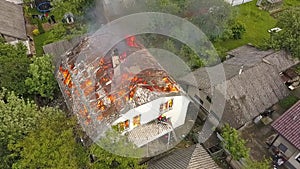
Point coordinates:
[[288, 125]]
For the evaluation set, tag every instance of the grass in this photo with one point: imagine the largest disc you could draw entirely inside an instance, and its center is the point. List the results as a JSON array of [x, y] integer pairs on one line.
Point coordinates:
[[291, 3], [288, 101], [257, 22], [40, 41]]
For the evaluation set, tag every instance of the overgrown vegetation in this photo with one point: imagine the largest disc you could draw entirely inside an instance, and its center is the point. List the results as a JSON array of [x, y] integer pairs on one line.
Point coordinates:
[[288, 101], [289, 38], [256, 23], [233, 142], [14, 67], [236, 146], [41, 80]]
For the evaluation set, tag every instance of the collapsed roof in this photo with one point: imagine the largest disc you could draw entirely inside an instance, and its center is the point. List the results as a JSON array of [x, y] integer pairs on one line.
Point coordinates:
[[99, 89]]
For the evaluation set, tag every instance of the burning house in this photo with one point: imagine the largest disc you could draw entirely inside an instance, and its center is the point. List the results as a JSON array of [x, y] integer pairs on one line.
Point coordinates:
[[126, 90]]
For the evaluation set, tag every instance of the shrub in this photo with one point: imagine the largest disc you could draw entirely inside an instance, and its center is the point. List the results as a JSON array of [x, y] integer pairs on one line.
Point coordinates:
[[36, 32], [40, 27], [238, 30]]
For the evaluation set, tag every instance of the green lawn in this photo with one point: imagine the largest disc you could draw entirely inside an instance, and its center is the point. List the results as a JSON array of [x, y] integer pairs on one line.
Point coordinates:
[[40, 41], [257, 22], [291, 3]]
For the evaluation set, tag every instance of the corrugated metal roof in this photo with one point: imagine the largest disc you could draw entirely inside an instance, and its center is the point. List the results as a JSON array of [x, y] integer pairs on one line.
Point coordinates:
[[288, 125]]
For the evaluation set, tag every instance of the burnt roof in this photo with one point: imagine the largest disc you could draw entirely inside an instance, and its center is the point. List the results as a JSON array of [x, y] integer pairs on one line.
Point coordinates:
[[12, 22], [288, 125]]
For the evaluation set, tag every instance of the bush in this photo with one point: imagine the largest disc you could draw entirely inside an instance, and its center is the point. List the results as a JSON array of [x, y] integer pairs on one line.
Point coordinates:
[[36, 32], [40, 27], [238, 30]]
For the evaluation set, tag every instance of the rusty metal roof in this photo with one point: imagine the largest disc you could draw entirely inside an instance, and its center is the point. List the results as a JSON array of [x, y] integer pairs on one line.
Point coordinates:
[[288, 125]]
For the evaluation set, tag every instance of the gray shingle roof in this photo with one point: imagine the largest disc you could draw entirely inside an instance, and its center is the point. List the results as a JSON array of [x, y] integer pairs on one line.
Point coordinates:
[[193, 157], [257, 88], [12, 21], [57, 49]]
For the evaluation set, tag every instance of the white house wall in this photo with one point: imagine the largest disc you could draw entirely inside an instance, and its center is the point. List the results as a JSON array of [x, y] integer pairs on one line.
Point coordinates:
[[151, 111], [291, 150], [293, 161]]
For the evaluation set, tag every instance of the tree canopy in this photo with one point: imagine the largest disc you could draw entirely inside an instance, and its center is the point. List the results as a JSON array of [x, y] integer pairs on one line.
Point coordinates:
[[17, 118], [234, 143], [78, 7], [41, 80], [289, 38], [51, 145], [115, 144], [14, 67]]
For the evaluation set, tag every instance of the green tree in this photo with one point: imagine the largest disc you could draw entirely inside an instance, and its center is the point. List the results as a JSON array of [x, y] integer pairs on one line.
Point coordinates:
[[189, 56], [237, 29], [51, 145], [41, 80], [170, 46], [17, 118], [117, 144], [289, 38], [14, 67], [210, 16], [234, 143], [264, 164], [78, 7], [165, 6]]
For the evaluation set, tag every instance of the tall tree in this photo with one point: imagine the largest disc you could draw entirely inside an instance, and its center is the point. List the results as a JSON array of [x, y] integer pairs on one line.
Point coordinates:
[[41, 80], [17, 118], [210, 16], [234, 143], [289, 38], [51, 145], [14, 67]]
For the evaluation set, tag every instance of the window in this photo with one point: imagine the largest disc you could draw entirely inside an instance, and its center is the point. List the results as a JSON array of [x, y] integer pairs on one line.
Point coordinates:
[[282, 147], [171, 103], [166, 106], [137, 121], [123, 125], [198, 98], [208, 99], [298, 158]]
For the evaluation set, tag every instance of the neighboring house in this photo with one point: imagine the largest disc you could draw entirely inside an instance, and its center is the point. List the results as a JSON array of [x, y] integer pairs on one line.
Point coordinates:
[[12, 24], [288, 140], [193, 157], [58, 49], [253, 82]]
